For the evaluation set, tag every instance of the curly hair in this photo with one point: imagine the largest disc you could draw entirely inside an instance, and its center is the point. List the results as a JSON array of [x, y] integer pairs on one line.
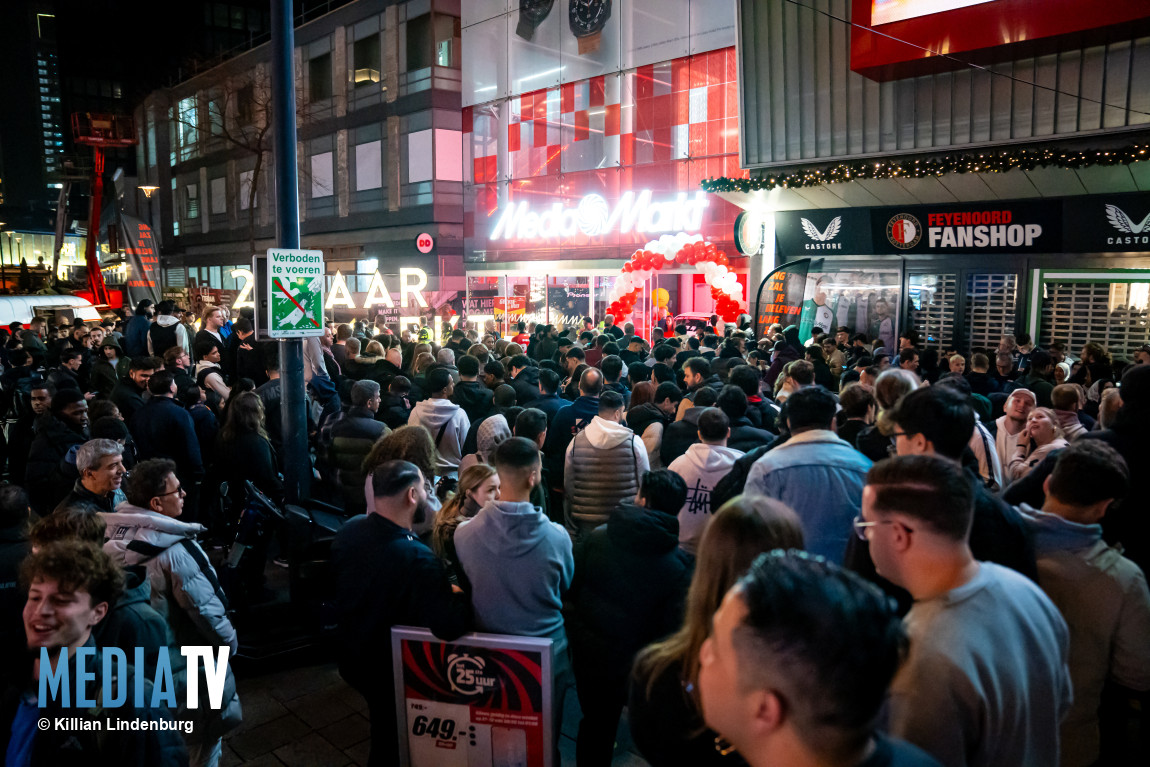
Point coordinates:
[[75, 566], [407, 443]]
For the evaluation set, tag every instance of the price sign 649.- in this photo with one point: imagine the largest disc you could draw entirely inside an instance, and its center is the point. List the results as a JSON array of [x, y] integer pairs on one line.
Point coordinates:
[[437, 728]]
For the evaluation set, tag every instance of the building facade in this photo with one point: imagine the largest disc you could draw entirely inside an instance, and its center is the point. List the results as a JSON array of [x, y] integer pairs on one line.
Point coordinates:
[[379, 151], [969, 175], [587, 132]]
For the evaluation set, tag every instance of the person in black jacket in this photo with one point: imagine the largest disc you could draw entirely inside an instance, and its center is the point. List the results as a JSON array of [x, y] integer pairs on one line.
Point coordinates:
[[524, 379], [760, 412], [549, 400], [129, 392], [630, 581], [680, 435], [470, 394], [384, 577], [744, 437], [56, 432], [162, 428], [15, 520]]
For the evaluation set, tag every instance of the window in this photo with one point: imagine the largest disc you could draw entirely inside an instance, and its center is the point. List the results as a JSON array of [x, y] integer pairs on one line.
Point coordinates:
[[246, 178], [419, 42], [245, 104], [368, 166], [322, 175], [319, 77], [219, 189], [188, 122], [366, 61], [216, 116], [191, 202], [447, 42]]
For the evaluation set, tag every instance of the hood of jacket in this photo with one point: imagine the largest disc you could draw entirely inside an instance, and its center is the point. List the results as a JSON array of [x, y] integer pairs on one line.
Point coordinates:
[[585, 407], [132, 524], [643, 530], [433, 413], [137, 587], [712, 382], [510, 528], [166, 320], [112, 342], [528, 375], [471, 393], [605, 434], [1053, 533], [791, 336], [204, 365], [1068, 420], [642, 416], [710, 458]]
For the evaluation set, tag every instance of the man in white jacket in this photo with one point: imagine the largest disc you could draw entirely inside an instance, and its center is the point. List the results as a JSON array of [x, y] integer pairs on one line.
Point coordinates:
[[604, 464], [145, 530], [701, 467], [444, 420]]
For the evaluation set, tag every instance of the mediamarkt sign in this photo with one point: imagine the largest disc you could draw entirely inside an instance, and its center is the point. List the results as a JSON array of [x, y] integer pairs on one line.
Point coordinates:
[[593, 216]]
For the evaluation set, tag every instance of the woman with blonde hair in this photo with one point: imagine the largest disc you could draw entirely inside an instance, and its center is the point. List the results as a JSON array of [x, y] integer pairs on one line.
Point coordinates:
[[1041, 436], [478, 484], [666, 721]]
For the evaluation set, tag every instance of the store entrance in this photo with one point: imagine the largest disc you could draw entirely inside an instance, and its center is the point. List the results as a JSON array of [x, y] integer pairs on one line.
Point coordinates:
[[965, 309]]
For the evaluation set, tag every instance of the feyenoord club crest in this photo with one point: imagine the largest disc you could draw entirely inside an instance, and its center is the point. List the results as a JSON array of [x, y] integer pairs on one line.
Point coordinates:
[[904, 231]]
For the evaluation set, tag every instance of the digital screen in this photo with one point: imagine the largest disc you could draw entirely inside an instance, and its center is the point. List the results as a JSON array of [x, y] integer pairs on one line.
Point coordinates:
[[887, 11]]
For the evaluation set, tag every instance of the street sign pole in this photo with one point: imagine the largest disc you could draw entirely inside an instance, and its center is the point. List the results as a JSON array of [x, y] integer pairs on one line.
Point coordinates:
[[293, 402]]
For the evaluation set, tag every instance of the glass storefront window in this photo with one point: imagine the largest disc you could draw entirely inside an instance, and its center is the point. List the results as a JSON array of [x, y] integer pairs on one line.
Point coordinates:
[[1114, 314], [865, 300]]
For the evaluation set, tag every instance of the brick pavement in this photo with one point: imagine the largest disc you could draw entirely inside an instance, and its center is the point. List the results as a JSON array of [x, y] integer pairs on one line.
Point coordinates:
[[309, 717]]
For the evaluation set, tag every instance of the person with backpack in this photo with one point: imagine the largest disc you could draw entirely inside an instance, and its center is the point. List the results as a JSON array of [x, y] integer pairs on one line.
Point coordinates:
[[146, 531], [167, 331]]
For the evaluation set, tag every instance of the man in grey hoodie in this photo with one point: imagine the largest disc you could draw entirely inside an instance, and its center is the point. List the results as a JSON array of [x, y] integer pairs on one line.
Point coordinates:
[[1101, 594], [519, 563], [444, 420]]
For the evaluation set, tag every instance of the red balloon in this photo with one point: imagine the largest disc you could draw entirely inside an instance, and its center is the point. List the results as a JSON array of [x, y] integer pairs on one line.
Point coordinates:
[[722, 260], [688, 249]]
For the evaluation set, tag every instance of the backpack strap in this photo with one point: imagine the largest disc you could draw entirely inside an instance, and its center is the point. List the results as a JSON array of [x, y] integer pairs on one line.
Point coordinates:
[[206, 568], [439, 436]]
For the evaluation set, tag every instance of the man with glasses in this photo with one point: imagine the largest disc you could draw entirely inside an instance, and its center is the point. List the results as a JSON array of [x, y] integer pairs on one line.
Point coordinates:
[[986, 679], [146, 531]]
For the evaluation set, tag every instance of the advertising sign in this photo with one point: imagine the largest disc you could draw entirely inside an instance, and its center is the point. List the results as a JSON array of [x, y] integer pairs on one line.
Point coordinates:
[[295, 293], [483, 700], [843, 231], [143, 261], [781, 296], [1108, 223]]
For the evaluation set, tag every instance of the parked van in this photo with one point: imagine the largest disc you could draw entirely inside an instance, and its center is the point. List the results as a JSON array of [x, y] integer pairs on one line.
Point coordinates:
[[58, 310]]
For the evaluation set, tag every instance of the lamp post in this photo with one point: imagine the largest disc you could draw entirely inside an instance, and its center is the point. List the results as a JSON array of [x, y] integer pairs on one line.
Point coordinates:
[[147, 190]]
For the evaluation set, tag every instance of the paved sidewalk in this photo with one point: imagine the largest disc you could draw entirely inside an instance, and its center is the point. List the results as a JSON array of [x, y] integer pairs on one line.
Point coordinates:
[[309, 717]]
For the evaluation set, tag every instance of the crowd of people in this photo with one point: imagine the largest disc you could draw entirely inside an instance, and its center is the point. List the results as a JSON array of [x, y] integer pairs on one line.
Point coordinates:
[[765, 551]]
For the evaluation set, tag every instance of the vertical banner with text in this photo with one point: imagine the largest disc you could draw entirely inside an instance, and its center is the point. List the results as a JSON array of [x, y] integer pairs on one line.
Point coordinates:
[[781, 295], [483, 700], [143, 261]]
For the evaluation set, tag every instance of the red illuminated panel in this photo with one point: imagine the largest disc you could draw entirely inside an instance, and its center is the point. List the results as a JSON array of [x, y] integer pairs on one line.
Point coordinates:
[[988, 31]]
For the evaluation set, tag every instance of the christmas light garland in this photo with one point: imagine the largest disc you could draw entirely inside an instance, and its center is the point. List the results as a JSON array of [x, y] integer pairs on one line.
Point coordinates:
[[987, 162]]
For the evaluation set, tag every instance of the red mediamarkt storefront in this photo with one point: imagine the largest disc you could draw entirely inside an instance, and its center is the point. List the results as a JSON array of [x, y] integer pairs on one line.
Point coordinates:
[[565, 183]]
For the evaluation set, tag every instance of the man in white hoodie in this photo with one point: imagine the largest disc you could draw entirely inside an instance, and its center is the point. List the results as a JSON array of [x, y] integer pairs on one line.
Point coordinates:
[[604, 465], [701, 467], [447, 422]]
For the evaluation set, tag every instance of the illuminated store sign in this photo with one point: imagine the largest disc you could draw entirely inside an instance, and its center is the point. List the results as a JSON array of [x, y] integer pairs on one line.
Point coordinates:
[[412, 282], [593, 216]]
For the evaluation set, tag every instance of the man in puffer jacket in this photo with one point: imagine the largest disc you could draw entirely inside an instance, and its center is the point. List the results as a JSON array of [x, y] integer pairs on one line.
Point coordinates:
[[444, 420], [603, 466], [703, 465], [185, 591]]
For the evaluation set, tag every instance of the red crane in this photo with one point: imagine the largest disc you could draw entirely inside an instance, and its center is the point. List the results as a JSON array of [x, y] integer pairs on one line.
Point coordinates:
[[99, 132]]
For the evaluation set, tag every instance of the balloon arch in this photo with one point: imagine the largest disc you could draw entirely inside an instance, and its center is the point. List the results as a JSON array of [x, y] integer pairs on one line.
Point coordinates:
[[682, 249]]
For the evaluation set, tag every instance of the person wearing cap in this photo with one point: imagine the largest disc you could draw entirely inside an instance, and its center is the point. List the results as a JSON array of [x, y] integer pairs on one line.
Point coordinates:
[[1008, 428], [444, 420]]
